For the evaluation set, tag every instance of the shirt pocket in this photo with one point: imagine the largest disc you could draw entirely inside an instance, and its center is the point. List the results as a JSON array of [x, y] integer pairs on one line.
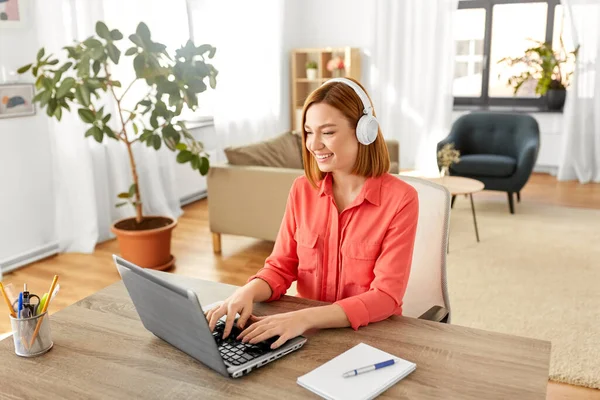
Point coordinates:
[[359, 263], [307, 250]]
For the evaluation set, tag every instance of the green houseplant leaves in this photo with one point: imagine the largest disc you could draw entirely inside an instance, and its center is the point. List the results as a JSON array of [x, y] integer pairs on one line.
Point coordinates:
[[85, 83]]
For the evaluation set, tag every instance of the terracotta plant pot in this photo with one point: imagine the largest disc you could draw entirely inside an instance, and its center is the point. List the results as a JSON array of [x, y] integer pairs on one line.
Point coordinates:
[[149, 245]]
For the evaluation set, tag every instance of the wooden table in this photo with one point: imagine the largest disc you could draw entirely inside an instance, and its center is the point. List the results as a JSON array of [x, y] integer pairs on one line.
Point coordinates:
[[101, 350], [458, 185]]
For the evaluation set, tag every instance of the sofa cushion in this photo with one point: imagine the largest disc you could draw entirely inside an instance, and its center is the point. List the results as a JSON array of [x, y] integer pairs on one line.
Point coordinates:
[[284, 151], [394, 168], [484, 165]]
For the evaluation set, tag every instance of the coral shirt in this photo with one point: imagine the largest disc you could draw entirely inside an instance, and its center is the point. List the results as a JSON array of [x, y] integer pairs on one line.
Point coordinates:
[[359, 259]]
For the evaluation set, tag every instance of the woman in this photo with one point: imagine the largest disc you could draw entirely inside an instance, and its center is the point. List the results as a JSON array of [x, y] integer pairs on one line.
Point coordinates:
[[348, 231]]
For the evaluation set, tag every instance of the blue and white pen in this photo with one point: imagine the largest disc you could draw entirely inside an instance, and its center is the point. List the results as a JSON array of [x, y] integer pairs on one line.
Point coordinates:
[[369, 368]]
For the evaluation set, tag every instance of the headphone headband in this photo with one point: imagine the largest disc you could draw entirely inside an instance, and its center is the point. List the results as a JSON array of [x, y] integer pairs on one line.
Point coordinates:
[[367, 127], [367, 106]]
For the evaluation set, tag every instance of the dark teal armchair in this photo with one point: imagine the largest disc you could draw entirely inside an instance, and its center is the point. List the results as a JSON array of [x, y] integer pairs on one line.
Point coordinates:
[[498, 149]]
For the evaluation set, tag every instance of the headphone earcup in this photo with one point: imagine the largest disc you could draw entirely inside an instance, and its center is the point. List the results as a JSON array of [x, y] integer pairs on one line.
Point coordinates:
[[367, 129]]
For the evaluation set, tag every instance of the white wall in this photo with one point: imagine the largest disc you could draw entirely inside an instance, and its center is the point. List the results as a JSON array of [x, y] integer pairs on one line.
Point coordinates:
[[26, 187]]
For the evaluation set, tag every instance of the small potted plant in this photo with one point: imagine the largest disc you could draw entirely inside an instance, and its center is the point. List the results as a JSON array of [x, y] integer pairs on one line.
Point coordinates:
[[447, 156], [336, 66], [311, 70], [547, 67], [86, 83]]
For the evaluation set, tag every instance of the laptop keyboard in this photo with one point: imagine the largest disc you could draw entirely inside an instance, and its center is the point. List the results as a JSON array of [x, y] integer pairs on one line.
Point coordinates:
[[236, 352]]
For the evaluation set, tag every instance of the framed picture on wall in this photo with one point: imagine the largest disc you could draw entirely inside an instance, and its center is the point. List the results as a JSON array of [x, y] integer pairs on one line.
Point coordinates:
[[16, 100], [13, 13]]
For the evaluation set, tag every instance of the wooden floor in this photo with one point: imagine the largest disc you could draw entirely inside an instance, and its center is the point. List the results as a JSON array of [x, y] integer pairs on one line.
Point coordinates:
[[83, 274]]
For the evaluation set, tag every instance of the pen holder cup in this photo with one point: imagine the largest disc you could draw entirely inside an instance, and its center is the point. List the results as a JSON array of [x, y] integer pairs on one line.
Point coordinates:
[[23, 332]]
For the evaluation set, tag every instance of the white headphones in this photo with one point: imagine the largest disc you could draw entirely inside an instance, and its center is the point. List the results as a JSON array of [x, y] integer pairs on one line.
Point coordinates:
[[367, 127]]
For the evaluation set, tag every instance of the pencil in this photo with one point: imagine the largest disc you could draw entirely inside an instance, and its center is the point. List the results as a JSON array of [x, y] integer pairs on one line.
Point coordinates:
[[39, 323], [10, 308]]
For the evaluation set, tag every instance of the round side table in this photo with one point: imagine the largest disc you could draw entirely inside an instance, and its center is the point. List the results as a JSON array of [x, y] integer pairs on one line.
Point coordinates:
[[458, 185]]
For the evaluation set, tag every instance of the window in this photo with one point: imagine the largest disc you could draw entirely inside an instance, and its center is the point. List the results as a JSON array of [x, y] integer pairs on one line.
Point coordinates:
[[485, 32]]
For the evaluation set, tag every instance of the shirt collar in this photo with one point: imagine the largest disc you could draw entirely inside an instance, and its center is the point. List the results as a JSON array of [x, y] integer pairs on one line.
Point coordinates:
[[371, 191]]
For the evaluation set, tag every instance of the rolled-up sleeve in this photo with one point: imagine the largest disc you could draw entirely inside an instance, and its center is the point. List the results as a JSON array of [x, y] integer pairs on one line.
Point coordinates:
[[281, 267], [392, 269]]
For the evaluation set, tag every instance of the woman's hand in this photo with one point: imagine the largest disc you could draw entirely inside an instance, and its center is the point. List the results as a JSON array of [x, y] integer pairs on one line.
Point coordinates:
[[286, 326], [240, 302]]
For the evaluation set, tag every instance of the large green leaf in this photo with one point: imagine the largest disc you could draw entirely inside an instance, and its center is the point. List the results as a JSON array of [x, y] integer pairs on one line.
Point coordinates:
[[113, 52], [98, 134], [46, 82], [156, 142], [195, 163], [83, 68], [115, 34], [97, 53], [131, 51], [83, 95], [40, 54], [136, 40], [57, 76], [65, 87], [58, 112], [45, 97], [65, 67], [52, 104], [170, 132], [143, 33], [139, 65], [109, 132], [196, 85], [204, 166], [92, 43], [132, 189], [24, 68], [86, 115], [184, 156], [102, 30], [96, 67]]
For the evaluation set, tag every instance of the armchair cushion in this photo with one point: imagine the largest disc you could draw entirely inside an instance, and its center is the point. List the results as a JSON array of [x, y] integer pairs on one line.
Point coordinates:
[[284, 151], [484, 165]]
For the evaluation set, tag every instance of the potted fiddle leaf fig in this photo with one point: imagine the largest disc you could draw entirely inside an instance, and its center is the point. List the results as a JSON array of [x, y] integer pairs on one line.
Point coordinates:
[[85, 81]]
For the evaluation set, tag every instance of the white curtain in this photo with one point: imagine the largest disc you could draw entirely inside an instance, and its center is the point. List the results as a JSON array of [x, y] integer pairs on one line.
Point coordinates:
[[411, 76], [581, 145], [89, 175], [247, 105]]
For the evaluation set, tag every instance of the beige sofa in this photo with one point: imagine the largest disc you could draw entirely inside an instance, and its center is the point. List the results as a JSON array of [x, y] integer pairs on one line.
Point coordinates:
[[250, 200]]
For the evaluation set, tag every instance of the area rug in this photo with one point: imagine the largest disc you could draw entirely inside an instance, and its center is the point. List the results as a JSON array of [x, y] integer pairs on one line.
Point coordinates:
[[535, 274]]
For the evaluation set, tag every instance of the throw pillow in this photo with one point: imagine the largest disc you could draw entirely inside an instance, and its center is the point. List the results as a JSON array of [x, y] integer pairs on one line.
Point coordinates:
[[283, 151]]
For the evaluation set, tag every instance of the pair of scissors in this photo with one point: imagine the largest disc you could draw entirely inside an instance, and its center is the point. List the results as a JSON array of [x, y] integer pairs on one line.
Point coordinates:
[[28, 308]]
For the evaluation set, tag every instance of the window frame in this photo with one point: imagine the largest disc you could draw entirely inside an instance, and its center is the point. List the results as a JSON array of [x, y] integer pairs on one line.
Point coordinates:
[[485, 100]]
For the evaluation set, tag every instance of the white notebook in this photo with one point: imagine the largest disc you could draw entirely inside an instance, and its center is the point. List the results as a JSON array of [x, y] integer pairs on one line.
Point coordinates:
[[327, 380]]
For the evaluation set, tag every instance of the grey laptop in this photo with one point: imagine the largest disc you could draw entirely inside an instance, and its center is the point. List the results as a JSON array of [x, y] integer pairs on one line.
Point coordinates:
[[175, 315]]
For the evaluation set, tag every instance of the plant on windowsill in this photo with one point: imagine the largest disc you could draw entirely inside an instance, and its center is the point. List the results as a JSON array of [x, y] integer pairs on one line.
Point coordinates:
[[86, 83], [447, 156], [547, 66]]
